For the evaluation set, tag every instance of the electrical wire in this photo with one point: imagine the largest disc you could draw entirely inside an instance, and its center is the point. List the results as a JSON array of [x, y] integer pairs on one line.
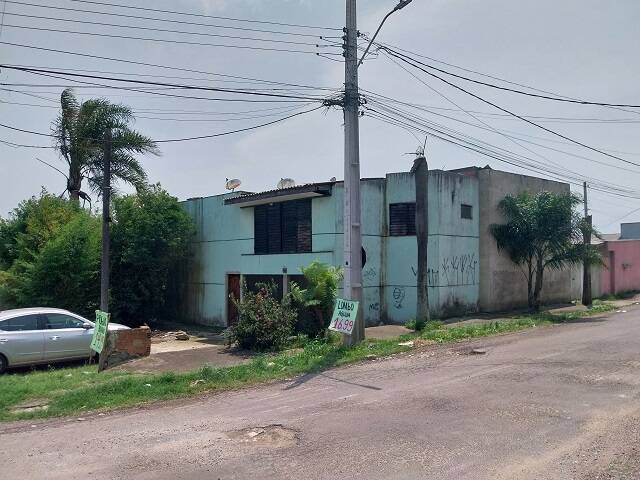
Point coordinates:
[[515, 114], [502, 154], [512, 90], [232, 19], [146, 64], [187, 97], [154, 19], [199, 137], [163, 40], [19, 145]]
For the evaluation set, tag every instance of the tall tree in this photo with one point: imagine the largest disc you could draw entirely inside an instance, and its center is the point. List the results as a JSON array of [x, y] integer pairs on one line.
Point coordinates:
[[78, 132], [543, 231]]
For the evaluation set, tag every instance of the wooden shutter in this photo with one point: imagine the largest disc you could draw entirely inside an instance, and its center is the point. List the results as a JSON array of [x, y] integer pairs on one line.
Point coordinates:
[[402, 219], [274, 228], [260, 242], [304, 230], [290, 227]]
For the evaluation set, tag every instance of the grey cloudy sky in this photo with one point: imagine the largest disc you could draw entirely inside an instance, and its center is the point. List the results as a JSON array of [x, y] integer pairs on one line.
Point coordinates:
[[582, 49]]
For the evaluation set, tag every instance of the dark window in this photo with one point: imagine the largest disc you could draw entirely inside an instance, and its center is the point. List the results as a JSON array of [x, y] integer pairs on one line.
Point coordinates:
[[283, 227], [402, 219], [19, 324], [466, 211], [57, 321]]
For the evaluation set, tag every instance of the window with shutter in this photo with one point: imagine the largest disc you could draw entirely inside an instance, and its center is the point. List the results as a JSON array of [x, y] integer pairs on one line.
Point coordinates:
[[402, 219], [283, 227]]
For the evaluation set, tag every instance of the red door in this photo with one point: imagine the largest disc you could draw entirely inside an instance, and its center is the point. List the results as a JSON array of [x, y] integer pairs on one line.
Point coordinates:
[[233, 295]]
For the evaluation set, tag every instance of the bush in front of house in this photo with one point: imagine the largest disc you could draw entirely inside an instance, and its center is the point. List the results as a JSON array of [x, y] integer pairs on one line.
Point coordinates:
[[264, 322], [316, 302]]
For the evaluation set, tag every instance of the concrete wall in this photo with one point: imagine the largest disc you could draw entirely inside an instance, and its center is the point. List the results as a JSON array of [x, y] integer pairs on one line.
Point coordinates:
[[622, 258], [503, 286], [453, 267], [224, 245]]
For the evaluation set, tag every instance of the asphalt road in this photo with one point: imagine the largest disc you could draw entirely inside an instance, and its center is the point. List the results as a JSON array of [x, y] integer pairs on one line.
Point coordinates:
[[552, 403]]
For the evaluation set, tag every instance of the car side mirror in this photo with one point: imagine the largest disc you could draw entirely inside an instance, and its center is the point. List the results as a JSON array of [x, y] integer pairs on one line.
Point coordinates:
[[87, 326]]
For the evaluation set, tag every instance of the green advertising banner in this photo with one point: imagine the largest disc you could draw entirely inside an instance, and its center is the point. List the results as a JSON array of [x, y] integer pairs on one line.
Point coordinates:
[[344, 316], [100, 331]]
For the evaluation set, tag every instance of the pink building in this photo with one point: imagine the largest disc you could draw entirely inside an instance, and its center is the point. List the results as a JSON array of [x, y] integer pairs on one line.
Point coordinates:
[[621, 254]]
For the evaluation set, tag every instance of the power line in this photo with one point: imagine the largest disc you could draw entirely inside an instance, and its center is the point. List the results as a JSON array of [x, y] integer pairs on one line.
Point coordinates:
[[273, 122], [505, 157], [154, 19], [146, 64], [515, 114], [232, 19], [506, 135], [19, 145], [162, 30], [512, 90], [429, 109], [173, 140], [159, 84], [163, 40], [188, 97]]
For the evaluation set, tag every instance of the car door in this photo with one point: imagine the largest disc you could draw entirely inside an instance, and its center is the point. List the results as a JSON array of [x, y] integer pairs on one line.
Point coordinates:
[[21, 339], [65, 337]]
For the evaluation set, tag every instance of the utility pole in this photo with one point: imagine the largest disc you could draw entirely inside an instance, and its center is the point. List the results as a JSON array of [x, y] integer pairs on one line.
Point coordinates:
[[586, 266], [420, 172], [351, 222], [106, 219], [352, 219]]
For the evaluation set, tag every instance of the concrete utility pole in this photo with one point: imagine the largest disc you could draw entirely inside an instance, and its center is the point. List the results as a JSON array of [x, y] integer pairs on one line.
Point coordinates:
[[586, 267], [420, 171], [352, 226], [106, 219], [352, 222]]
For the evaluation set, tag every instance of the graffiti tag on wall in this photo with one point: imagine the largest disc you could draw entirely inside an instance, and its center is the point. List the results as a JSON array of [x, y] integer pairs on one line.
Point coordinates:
[[398, 296], [455, 271]]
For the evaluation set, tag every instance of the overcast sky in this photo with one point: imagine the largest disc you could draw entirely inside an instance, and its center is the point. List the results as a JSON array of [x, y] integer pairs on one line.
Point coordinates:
[[577, 48]]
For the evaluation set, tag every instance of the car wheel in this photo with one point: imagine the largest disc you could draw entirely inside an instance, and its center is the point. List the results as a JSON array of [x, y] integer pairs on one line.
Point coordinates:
[[3, 364]]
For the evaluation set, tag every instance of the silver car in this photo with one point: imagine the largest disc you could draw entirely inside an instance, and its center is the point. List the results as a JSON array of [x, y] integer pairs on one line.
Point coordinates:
[[30, 336]]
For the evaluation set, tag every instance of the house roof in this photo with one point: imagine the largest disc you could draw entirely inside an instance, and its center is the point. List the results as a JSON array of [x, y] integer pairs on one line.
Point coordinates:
[[606, 237], [310, 190]]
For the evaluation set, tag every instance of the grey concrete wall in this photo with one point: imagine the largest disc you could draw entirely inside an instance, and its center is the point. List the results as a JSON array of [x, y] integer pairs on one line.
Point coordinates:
[[503, 286]]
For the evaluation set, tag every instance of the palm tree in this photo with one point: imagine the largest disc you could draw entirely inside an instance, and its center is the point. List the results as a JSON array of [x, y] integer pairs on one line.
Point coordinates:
[[78, 133], [543, 231]]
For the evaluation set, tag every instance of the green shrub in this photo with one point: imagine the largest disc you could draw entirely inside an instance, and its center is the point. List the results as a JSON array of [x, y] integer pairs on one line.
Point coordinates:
[[149, 240], [49, 254], [264, 322], [316, 302]]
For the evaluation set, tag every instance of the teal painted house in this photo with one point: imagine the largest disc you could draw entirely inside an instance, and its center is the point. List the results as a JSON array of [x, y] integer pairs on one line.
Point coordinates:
[[253, 237]]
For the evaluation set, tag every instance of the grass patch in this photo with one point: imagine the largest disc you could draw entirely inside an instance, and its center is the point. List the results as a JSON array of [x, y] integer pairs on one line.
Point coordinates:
[[77, 390]]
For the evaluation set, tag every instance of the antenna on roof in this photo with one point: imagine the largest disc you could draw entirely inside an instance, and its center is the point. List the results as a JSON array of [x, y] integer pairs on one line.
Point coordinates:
[[232, 184], [286, 183]]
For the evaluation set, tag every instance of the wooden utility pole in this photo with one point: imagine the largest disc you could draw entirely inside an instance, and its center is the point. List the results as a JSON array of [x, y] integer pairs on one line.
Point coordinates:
[[420, 171], [106, 239], [586, 266]]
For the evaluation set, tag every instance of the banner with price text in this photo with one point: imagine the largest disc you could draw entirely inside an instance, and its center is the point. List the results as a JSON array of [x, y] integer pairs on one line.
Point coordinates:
[[344, 316]]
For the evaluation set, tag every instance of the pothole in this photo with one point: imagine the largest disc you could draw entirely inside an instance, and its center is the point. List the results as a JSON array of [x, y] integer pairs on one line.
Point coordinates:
[[33, 405], [274, 436]]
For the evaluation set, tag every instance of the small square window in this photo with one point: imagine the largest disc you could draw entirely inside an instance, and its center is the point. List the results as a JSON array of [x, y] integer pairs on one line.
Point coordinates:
[[402, 219], [466, 211]]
